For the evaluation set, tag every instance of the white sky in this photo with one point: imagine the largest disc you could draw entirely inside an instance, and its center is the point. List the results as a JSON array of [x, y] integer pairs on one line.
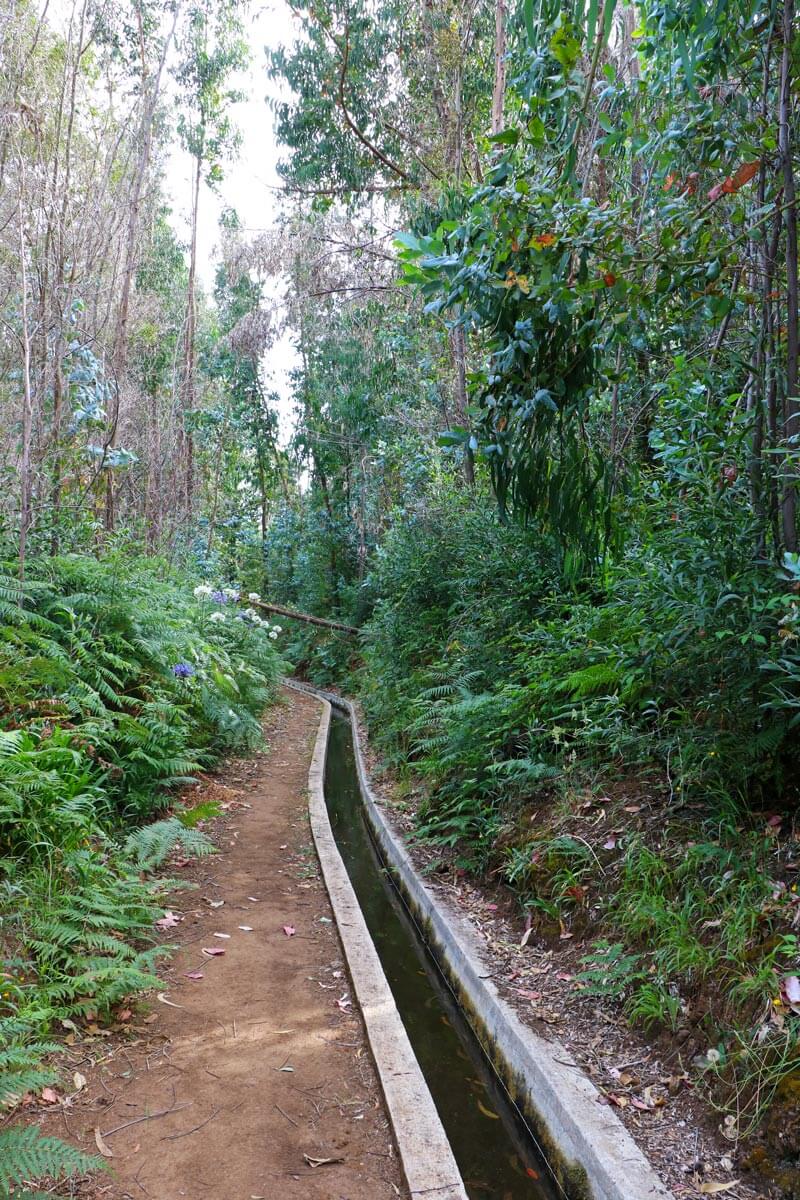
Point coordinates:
[[249, 182]]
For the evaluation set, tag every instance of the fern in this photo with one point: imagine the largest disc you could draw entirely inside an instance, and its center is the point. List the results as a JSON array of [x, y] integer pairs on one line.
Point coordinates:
[[151, 845], [596, 679], [27, 1155]]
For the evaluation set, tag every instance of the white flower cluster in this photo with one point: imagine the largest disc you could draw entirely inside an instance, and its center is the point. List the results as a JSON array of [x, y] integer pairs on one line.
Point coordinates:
[[251, 616], [229, 595], [789, 623]]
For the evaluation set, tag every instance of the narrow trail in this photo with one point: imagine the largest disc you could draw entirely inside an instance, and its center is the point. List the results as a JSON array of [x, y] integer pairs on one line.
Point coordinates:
[[221, 1098]]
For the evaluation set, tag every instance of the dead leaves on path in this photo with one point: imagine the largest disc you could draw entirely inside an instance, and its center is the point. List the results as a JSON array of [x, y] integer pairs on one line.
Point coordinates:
[[321, 1162], [102, 1145]]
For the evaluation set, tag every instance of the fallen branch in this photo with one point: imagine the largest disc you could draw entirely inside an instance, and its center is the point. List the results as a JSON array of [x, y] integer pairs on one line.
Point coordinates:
[[171, 1137], [293, 615], [150, 1117]]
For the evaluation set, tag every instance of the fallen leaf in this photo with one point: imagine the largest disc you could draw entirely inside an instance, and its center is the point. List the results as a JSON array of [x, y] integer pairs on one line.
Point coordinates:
[[713, 1189], [226, 936], [321, 1162], [790, 992], [149, 1020], [610, 843], [254, 899], [246, 928], [49, 1095], [164, 1000], [104, 1149], [79, 1081], [529, 1171], [124, 1015], [213, 951], [214, 903], [168, 921], [487, 1112], [343, 1003], [193, 974], [289, 930]]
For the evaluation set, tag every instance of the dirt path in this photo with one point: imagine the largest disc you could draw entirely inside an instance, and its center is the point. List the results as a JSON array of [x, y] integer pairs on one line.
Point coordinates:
[[264, 1062]]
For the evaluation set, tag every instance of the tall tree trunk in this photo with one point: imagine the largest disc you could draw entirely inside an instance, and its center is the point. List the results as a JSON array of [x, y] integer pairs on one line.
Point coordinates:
[[190, 349], [791, 401], [458, 343], [499, 91], [26, 465], [151, 89]]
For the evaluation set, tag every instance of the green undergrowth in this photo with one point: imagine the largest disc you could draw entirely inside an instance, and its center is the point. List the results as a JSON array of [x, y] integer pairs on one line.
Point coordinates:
[[117, 685], [623, 753]]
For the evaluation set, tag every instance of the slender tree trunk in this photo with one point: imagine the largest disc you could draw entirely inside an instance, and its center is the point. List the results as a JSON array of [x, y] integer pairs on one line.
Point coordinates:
[[151, 90], [190, 349], [791, 401], [499, 91], [26, 466], [459, 349]]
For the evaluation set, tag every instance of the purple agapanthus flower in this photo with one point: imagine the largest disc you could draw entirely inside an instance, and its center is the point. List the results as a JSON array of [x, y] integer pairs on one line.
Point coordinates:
[[183, 670], [219, 597]]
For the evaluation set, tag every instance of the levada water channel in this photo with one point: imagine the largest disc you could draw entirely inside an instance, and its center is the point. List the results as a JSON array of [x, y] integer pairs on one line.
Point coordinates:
[[494, 1150]]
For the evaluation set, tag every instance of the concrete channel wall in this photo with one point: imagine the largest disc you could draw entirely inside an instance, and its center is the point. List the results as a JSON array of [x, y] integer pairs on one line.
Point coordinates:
[[591, 1153], [428, 1163]]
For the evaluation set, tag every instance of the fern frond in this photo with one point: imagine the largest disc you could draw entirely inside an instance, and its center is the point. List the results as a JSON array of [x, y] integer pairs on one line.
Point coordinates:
[[152, 844]]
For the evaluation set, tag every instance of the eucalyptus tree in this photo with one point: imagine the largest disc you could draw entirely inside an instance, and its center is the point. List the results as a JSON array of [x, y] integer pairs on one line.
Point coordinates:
[[211, 49]]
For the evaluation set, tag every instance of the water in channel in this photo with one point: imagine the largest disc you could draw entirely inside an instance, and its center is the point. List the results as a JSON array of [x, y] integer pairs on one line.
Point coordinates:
[[494, 1152]]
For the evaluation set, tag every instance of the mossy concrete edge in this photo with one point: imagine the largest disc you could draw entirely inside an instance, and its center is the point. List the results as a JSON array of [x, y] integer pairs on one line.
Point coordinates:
[[425, 1153], [590, 1150]]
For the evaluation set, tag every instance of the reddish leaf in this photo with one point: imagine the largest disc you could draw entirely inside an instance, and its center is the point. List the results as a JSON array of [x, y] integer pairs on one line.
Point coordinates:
[[49, 1096], [124, 1015], [213, 951], [609, 279], [790, 992], [745, 173], [193, 974], [732, 184], [289, 930], [610, 843], [168, 921]]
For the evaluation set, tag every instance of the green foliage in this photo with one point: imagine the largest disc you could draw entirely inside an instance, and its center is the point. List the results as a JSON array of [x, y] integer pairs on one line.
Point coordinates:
[[116, 684], [26, 1154], [151, 845]]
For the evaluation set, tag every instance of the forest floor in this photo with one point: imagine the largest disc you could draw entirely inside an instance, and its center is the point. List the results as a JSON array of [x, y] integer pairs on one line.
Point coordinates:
[[249, 1076]]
